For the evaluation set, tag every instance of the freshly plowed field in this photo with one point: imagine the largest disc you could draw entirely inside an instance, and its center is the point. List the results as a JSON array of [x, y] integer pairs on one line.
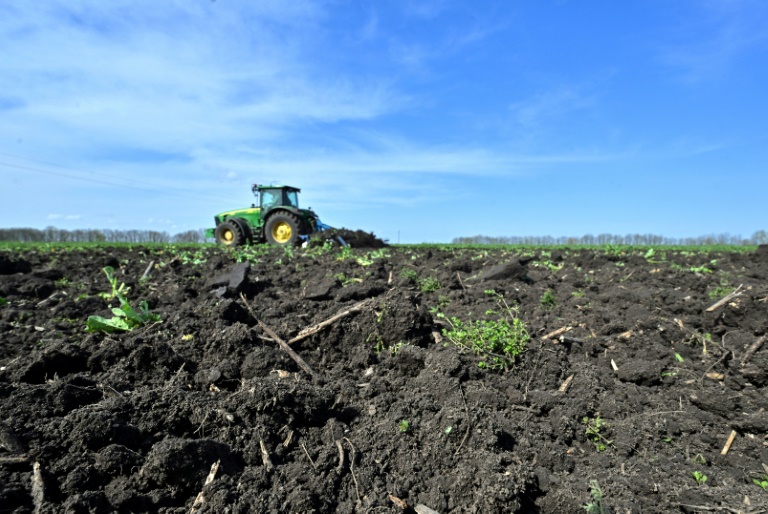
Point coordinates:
[[644, 393]]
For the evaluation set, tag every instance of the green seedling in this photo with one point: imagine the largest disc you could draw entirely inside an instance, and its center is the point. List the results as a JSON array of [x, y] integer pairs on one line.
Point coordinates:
[[548, 300], [404, 426], [595, 429], [721, 291], [344, 253], [678, 357], [761, 482], [699, 477], [499, 341], [125, 318], [596, 506], [410, 275], [381, 253], [442, 302], [3, 301], [448, 430], [364, 260], [117, 290], [429, 285]]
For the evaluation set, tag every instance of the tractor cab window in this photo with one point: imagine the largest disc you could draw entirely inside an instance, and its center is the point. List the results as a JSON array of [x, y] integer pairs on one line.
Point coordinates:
[[291, 199], [270, 198], [278, 197]]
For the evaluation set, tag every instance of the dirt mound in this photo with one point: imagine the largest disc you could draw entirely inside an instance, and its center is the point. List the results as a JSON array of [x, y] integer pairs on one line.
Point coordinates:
[[627, 380], [354, 238]]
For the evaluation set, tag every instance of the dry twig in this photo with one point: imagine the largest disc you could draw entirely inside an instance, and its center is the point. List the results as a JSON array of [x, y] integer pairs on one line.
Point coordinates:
[[38, 487], [566, 384], [304, 447], [200, 499], [555, 333], [352, 468], [291, 353], [725, 299], [265, 455], [147, 271], [318, 327], [728, 443], [754, 347], [341, 455], [460, 282], [14, 460], [469, 423]]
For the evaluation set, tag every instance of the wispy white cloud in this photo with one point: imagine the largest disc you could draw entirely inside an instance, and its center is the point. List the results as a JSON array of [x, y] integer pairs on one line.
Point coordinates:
[[132, 74], [708, 45], [551, 104], [69, 217]]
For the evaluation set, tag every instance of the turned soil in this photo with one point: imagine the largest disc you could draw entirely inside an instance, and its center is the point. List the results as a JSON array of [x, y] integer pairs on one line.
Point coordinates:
[[387, 415]]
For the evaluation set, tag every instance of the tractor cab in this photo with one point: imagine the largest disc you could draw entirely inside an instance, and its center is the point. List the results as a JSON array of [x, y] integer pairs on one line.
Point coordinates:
[[276, 196]]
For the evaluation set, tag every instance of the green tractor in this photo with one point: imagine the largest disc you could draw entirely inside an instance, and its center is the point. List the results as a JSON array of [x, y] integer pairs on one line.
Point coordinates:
[[276, 219]]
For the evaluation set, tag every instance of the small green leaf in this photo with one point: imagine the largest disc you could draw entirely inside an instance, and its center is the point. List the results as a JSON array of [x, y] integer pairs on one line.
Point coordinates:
[[97, 323], [679, 357]]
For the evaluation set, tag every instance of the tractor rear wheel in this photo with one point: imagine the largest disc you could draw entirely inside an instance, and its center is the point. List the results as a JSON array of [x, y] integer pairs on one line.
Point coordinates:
[[282, 229], [229, 233]]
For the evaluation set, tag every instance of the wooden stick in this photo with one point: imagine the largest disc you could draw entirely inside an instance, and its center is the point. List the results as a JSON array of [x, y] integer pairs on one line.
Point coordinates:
[[352, 468], [147, 271], [265, 455], [523, 407], [200, 499], [728, 443], [469, 423], [38, 487], [565, 385], [43, 302], [570, 340], [173, 379], [341, 455], [314, 329], [295, 356], [423, 509], [754, 347], [400, 504], [460, 282], [725, 299], [14, 460], [718, 361], [555, 333], [304, 447]]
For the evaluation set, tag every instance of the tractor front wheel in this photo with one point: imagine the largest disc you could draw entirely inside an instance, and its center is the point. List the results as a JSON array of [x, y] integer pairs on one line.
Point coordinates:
[[229, 233], [282, 229]]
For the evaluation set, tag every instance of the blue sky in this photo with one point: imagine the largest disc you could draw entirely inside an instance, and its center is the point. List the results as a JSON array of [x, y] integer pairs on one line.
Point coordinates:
[[418, 120]]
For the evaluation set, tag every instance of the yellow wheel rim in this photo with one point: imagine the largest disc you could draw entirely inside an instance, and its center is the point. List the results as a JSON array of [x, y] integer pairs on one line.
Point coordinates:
[[227, 235], [281, 232]]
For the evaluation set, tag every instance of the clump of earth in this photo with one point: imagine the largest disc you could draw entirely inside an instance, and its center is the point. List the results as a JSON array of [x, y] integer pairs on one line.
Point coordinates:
[[632, 389], [343, 236]]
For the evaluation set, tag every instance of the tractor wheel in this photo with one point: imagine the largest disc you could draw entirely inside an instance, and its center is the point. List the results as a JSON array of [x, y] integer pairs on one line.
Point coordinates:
[[282, 229], [229, 233]]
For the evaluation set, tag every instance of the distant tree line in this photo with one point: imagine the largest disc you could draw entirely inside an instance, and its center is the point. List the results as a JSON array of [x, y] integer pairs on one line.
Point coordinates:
[[759, 237], [57, 235]]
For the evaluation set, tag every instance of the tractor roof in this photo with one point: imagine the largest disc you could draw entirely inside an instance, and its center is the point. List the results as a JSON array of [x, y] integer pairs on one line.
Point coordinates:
[[259, 187]]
